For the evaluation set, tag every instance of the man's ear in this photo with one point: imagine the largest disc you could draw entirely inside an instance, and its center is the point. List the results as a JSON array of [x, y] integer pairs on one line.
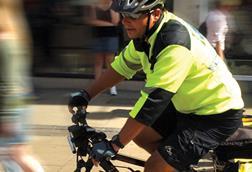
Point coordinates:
[[156, 14]]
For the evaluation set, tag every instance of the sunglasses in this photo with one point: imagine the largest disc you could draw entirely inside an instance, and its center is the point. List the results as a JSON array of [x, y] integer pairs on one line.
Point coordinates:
[[133, 16]]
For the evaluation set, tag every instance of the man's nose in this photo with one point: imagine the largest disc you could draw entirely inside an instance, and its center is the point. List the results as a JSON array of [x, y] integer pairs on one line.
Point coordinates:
[[126, 20]]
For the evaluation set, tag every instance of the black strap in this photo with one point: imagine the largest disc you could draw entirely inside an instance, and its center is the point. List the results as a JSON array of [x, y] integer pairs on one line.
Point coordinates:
[[171, 33]]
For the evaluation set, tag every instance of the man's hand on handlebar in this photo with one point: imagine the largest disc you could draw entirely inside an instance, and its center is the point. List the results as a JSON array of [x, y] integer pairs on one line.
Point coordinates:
[[102, 151], [78, 99]]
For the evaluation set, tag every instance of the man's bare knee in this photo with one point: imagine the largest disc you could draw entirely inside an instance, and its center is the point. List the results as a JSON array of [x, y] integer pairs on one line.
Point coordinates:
[[158, 164], [149, 147], [139, 142], [148, 139]]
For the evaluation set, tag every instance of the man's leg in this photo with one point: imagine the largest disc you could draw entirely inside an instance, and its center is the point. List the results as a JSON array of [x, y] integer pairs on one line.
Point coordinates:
[[148, 139], [99, 61], [194, 137], [158, 164], [109, 57]]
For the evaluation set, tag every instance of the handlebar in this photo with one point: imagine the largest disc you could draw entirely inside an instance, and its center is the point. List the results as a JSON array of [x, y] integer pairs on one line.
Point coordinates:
[[81, 139]]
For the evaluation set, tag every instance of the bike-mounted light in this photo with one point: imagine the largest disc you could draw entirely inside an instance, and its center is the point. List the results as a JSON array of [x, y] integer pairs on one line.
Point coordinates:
[[80, 117]]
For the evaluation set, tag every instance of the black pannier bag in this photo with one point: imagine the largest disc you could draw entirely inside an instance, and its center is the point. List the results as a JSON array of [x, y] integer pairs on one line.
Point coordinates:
[[239, 145], [235, 154]]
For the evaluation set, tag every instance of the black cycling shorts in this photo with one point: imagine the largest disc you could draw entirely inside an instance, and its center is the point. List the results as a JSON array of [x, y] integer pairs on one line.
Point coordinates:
[[188, 137]]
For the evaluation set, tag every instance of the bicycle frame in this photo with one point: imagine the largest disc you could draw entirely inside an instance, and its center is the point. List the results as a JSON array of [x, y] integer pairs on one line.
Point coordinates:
[[89, 136], [107, 164]]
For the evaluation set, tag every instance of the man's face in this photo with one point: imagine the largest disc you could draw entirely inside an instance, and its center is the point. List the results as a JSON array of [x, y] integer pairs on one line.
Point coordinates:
[[135, 28]]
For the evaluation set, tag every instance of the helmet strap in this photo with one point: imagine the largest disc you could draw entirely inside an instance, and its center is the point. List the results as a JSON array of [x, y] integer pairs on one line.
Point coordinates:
[[148, 25]]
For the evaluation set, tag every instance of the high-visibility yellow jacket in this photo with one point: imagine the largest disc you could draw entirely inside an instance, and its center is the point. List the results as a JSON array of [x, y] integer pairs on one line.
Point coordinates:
[[180, 66]]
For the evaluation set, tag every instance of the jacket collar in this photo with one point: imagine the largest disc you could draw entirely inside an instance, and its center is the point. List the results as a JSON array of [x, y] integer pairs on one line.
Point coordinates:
[[154, 28], [143, 44]]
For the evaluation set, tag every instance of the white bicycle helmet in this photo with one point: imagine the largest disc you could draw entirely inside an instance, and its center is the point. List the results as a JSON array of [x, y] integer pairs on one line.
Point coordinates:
[[135, 6]]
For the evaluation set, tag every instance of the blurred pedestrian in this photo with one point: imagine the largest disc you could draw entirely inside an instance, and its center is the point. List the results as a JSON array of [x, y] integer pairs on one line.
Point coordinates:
[[217, 28], [104, 23], [15, 87]]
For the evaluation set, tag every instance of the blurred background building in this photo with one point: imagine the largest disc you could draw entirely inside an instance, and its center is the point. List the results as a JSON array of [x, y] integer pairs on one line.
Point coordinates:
[[61, 37]]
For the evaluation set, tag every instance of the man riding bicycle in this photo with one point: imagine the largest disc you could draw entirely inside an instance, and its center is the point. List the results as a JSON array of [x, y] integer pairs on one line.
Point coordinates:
[[190, 102]]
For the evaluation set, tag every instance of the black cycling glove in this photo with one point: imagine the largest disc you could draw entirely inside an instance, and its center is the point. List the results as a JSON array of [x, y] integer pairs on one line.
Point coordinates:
[[102, 150], [80, 98]]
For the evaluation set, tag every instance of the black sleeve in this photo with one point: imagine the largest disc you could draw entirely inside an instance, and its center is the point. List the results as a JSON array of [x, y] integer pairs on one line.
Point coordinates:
[[154, 106]]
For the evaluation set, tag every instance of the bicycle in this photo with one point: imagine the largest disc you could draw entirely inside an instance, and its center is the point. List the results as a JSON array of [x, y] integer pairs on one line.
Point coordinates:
[[82, 137]]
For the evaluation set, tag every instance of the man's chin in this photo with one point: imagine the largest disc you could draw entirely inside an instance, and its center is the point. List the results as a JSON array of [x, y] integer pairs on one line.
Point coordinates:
[[131, 36]]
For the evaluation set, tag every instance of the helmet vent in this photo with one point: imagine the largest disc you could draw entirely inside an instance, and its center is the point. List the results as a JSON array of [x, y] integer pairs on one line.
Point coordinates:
[[135, 6], [150, 2]]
